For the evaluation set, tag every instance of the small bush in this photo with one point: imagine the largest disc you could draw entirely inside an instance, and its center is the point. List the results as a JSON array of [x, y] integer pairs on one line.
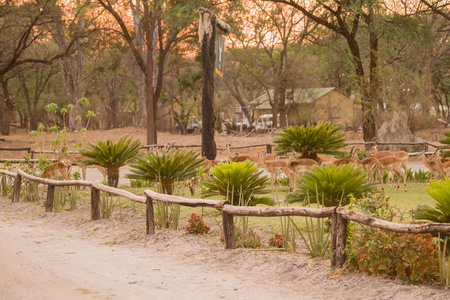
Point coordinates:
[[196, 225], [408, 257], [276, 240], [248, 239], [138, 183]]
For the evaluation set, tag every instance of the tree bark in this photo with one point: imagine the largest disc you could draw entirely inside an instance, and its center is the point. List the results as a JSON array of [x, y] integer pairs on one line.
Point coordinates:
[[50, 198], [338, 240], [95, 204], [8, 107], [151, 100], [208, 57]]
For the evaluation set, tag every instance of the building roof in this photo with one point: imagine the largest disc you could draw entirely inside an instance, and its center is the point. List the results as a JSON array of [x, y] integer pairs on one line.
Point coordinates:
[[298, 96]]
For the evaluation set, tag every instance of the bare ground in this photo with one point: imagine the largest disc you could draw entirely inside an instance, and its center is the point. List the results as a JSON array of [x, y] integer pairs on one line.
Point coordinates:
[[67, 256]]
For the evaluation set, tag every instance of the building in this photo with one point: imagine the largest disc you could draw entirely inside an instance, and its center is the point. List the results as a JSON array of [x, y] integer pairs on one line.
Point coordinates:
[[313, 105]]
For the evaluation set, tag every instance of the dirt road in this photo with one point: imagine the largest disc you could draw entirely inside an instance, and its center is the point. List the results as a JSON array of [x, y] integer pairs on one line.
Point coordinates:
[[39, 263], [67, 256]]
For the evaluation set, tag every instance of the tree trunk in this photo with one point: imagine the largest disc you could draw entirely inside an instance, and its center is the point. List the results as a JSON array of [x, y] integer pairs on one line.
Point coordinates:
[[369, 131], [208, 57], [113, 175], [151, 101], [139, 40], [8, 108]]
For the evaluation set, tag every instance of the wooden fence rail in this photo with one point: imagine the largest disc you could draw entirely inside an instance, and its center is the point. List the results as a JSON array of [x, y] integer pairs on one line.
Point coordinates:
[[339, 215], [269, 148]]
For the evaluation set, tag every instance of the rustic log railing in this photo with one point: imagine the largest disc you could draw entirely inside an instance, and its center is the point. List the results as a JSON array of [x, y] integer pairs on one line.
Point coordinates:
[[339, 215], [269, 148]]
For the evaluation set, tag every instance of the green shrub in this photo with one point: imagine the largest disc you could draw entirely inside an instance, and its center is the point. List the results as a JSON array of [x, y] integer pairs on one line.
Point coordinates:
[[332, 186], [239, 183], [408, 257], [247, 239], [311, 139], [196, 225], [440, 191], [138, 183], [167, 168]]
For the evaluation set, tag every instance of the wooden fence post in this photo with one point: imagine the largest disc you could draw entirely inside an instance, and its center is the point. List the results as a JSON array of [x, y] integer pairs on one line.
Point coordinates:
[[95, 203], [50, 198], [150, 216], [229, 235], [16, 189], [338, 240], [268, 148]]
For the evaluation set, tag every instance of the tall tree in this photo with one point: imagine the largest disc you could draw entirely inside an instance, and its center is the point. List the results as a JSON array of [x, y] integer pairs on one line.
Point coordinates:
[[275, 29], [165, 24], [345, 19], [23, 24], [72, 65]]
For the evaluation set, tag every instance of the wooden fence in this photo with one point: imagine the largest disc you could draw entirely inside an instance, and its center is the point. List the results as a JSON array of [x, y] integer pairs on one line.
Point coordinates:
[[269, 149], [339, 215]]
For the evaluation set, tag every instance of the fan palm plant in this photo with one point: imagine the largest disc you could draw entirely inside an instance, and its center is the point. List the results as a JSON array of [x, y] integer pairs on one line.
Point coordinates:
[[112, 156], [332, 186], [310, 139], [440, 191], [239, 183], [168, 168]]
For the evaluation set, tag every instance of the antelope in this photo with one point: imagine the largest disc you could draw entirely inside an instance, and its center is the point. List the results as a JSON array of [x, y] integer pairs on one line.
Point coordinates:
[[326, 160], [431, 165], [78, 161], [274, 167], [270, 156], [240, 158], [347, 160], [404, 156], [437, 160], [446, 168], [58, 168], [295, 165], [369, 164], [392, 163]]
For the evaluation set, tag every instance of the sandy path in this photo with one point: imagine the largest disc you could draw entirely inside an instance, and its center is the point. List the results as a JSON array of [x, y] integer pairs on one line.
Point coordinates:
[[38, 263], [67, 256]]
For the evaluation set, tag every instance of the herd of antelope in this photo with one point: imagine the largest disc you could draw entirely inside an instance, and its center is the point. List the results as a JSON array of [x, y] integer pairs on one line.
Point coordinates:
[[293, 165], [392, 162]]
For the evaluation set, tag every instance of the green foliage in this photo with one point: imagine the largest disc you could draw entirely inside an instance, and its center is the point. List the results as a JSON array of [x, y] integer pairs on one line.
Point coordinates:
[[409, 257], [445, 141], [310, 139], [107, 205], [374, 204], [196, 225], [60, 198], [332, 186], [247, 239], [6, 185], [444, 260], [421, 175], [317, 235], [239, 183], [112, 155], [167, 215], [138, 183], [30, 190], [440, 191], [168, 168]]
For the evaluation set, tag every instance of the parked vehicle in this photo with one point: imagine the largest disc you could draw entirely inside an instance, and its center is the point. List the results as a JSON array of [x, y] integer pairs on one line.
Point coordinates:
[[265, 122]]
